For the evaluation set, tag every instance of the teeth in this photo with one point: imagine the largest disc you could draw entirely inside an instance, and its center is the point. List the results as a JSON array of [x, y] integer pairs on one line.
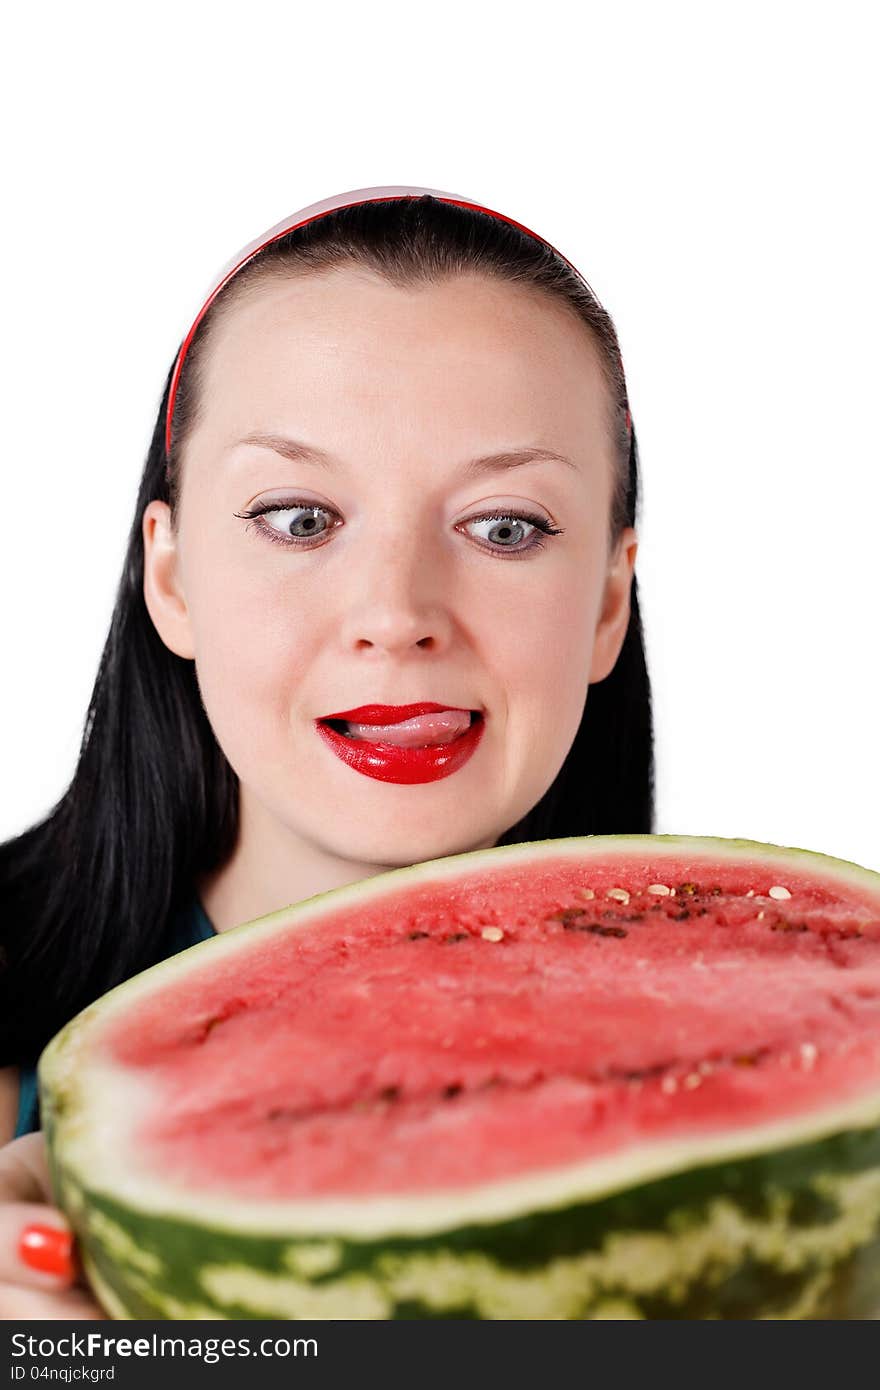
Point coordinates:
[[422, 731]]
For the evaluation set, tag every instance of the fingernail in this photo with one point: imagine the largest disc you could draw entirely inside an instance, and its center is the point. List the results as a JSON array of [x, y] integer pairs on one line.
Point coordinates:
[[48, 1249]]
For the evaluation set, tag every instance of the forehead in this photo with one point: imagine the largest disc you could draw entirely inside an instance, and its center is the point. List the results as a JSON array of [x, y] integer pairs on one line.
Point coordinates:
[[343, 355]]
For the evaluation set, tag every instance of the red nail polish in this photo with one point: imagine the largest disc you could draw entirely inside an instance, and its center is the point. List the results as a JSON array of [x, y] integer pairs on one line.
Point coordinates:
[[48, 1249]]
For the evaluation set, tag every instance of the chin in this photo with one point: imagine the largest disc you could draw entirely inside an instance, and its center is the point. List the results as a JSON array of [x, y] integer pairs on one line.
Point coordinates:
[[398, 850]]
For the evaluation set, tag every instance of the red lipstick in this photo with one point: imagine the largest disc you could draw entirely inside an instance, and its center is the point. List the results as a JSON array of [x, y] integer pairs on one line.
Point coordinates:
[[393, 762]]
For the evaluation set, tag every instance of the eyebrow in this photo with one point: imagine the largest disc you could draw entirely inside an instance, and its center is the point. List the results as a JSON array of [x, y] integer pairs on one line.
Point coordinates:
[[298, 452]]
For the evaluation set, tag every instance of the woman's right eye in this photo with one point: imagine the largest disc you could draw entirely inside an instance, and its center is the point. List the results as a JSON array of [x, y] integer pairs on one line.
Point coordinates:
[[290, 525]]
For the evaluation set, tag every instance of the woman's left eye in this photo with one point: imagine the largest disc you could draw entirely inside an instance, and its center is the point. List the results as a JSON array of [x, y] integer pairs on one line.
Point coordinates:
[[513, 532]]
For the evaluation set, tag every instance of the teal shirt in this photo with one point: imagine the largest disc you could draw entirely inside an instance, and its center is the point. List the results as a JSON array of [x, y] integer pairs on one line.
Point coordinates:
[[186, 929]]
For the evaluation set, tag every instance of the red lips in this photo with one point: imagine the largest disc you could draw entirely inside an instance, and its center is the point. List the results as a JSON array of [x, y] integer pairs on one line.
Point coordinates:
[[389, 714], [388, 763]]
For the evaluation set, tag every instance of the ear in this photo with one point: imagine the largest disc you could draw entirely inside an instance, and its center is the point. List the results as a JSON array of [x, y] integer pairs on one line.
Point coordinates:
[[163, 593], [615, 612]]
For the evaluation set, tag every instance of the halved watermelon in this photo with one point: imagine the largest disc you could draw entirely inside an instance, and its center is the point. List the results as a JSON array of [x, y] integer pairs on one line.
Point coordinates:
[[613, 1077]]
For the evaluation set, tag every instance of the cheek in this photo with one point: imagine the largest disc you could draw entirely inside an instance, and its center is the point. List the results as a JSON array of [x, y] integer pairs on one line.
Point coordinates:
[[542, 645], [252, 656]]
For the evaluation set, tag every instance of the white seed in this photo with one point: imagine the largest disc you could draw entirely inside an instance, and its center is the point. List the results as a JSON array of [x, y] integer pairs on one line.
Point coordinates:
[[779, 892], [809, 1053], [672, 892], [692, 1080], [705, 1067], [619, 894], [492, 934], [751, 893], [669, 1085], [759, 917], [662, 890], [586, 893]]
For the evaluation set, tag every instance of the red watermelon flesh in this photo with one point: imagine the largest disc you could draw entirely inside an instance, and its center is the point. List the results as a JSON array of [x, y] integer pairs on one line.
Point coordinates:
[[392, 1045]]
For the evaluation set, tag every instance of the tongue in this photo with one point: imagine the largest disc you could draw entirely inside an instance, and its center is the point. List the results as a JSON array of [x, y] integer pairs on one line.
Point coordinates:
[[441, 727]]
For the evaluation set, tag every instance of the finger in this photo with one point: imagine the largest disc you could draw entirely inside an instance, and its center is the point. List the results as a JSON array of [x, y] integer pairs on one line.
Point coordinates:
[[32, 1305], [36, 1242], [24, 1170]]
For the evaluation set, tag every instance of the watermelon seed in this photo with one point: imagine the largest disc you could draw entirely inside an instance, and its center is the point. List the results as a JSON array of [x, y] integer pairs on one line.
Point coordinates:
[[459, 936], [565, 914], [418, 935], [779, 892], [680, 916], [689, 888], [619, 894], [453, 1090], [605, 931], [659, 889], [586, 893], [390, 1093], [760, 916], [751, 893], [284, 1112], [692, 1080], [750, 1059], [669, 1085], [492, 934], [809, 1053]]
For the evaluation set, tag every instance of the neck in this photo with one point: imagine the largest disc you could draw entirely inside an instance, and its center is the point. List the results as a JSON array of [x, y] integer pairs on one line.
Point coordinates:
[[269, 869]]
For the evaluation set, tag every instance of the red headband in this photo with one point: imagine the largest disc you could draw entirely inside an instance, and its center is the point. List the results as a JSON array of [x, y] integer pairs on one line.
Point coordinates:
[[310, 214]]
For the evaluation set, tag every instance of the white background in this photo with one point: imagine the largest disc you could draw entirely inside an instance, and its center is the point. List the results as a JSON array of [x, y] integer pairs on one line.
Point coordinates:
[[713, 176]]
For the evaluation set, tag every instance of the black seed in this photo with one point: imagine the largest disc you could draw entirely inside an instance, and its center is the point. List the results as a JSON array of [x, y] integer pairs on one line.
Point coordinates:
[[607, 931], [450, 1092], [390, 1093], [418, 935], [457, 936], [281, 1112], [680, 916]]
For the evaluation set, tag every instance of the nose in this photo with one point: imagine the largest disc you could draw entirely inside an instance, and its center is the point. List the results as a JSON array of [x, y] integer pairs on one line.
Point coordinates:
[[398, 601]]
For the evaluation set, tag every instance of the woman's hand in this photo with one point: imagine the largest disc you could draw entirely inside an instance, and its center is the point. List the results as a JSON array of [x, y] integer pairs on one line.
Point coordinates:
[[40, 1275]]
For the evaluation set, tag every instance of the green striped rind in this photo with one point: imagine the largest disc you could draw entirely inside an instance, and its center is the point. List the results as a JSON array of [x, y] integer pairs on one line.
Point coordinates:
[[709, 1229], [792, 1234]]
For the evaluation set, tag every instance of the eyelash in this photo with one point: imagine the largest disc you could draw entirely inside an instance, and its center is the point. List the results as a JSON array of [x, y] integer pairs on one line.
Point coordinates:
[[535, 542]]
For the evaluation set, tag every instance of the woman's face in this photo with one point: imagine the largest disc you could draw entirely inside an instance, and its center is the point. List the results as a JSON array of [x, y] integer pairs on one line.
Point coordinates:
[[376, 579]]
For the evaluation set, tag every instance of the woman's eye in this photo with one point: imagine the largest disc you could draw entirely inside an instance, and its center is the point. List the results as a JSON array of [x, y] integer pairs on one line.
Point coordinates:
[[301, 522], [515, 533], [291, 525]]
